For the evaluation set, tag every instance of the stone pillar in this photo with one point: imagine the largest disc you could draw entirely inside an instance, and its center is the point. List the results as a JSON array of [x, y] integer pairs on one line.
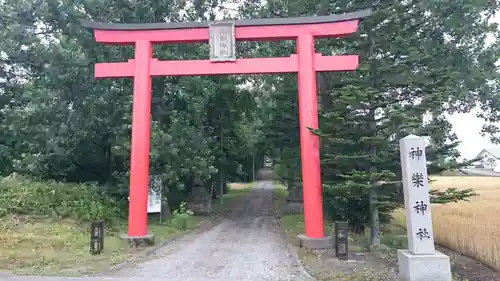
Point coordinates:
[[200, 200], [421, 261], [294, 200]]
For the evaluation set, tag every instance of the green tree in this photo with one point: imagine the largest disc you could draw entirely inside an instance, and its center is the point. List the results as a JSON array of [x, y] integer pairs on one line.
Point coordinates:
[[406, 71], [416, 58], [58, 122]]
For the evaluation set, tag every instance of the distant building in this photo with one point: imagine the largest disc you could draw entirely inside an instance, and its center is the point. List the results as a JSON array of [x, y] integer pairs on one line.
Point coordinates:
[[490, 159]]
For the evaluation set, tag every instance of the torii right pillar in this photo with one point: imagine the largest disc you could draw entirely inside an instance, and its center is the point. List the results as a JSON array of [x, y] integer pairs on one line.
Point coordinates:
[[309, 147], [314, 236]]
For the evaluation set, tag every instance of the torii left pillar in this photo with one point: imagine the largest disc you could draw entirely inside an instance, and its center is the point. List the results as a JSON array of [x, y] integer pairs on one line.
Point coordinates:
[[139, 157]]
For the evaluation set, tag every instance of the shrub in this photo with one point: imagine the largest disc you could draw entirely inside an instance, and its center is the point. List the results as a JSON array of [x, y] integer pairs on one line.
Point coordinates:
[[181, 216], [23, 196]]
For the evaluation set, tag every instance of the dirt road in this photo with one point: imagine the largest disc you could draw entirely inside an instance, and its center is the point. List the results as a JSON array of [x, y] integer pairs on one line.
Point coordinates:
[[244, 247]]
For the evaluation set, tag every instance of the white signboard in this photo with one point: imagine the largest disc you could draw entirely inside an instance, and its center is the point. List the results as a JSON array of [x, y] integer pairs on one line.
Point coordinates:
[[416, 194], [154, 197]]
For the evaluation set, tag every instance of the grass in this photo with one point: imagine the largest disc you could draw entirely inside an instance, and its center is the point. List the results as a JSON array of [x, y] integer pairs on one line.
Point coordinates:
[[279, 198], [239, 186], [42, 245], [470, 228], [292, 224], [321, 264], [453, 225]]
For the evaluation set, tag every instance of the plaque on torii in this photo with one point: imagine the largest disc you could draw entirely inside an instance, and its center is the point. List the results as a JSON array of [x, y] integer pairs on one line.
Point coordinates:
[[222, 37], [222, 41]]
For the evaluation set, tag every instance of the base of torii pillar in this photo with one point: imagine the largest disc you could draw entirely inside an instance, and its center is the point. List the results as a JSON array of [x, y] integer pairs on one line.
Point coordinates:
[[139, 241], [315, 243]]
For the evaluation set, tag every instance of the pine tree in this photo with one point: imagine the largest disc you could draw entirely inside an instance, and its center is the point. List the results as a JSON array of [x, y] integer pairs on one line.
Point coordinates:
[[405, 72], [415, 58]]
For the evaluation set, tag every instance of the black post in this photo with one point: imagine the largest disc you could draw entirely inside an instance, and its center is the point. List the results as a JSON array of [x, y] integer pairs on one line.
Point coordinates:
[[97, 237], [341, 240]]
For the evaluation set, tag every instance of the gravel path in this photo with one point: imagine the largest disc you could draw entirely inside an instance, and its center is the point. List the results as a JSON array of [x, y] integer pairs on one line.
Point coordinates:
[[245, 247]]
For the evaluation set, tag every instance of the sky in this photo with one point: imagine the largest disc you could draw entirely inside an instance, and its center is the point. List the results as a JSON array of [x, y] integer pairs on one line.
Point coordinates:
[[467, 127]]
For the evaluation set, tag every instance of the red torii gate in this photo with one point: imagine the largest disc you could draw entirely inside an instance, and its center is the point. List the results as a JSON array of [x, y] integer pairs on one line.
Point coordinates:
[[306, 62]]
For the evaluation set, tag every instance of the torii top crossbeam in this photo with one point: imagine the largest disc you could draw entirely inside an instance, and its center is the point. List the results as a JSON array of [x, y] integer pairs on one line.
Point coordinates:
[[267, 29], [245, 30]]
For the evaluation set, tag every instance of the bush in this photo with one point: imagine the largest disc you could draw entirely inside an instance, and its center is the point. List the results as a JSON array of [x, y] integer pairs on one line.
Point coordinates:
[[181, 216], [84, 202], [351, 203]]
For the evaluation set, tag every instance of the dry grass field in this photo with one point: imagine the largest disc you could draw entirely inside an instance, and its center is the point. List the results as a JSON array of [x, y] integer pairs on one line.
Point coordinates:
[[240, 185], [470, 228]]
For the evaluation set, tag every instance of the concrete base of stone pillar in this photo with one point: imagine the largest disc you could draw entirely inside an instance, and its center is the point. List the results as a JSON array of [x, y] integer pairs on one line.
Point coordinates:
[[434, 267]]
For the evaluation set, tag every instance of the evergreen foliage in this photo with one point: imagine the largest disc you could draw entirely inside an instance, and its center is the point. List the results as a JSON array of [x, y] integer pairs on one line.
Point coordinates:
[[416, 58]]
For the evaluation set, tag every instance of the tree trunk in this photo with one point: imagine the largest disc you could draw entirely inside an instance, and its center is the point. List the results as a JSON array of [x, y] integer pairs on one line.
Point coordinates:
[[373, 194], [253, 167], [225, 189], [374, 219], [211, 187]]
